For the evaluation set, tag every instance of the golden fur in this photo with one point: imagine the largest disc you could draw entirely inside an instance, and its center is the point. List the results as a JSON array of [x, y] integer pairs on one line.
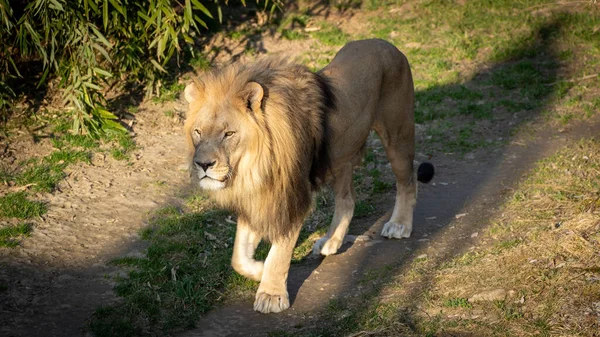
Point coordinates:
[[271, 183], [263, 136]]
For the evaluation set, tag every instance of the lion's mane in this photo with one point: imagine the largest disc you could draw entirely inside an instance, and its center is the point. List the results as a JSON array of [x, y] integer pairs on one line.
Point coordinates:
[[273, 182]]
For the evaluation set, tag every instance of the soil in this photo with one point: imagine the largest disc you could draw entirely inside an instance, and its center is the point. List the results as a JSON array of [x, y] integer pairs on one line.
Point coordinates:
[[57, 278]]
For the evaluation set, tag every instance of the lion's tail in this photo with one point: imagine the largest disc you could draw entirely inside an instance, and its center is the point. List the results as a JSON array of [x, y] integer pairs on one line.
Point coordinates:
[[425, 172]]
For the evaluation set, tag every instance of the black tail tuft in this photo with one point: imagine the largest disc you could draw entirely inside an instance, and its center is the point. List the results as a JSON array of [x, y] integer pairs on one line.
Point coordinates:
[[425, 172]]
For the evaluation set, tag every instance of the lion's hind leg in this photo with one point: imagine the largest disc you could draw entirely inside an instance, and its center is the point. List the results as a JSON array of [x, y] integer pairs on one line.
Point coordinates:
[[244, 246], [344, 209], [399, 147]]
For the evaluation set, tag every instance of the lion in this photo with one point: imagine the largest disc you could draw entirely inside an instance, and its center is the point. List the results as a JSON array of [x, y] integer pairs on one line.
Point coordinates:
[[264, 136]]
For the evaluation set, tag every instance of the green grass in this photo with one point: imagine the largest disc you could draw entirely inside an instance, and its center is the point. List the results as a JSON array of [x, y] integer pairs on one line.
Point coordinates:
[[508, 311], [506, 244], [44, 174], [291, 27], [457, 302], [9, 236], [330, 35], [293, 34], [183, 274], [363, 209], [75, 141], [16, 205], [200, 62], [122, 145], [170, 92]]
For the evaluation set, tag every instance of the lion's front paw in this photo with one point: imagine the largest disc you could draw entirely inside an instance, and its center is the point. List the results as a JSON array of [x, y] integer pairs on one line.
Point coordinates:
[[393, 230], [267, 303], [326, 246]]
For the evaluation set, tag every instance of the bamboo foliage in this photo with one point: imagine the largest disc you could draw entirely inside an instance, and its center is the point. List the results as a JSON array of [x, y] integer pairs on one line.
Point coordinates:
[[88, 43]]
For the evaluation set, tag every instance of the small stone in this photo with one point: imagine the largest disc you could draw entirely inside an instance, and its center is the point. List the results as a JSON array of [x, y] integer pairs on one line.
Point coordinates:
[[489, 295], [362, 238], [474, 235], [458, 216]]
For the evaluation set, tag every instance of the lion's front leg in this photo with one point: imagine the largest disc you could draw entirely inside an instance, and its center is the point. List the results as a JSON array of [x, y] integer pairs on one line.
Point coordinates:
[[244, 246], [272, 294]]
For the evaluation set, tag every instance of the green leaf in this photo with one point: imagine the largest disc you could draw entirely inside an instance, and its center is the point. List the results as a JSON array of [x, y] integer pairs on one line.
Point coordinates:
[[111, 125], [105, 114], [143, 16], [56, 5], [188, 9], [101, 37], [91, 4], [162, 44], [14, 66], [76, 125], [173, 37], [102, 51], [102, 72], [118, 7], [200, 21], [43, 78], [105, 14], [187, 38], [198, 5], [158, 66], [86, 97]]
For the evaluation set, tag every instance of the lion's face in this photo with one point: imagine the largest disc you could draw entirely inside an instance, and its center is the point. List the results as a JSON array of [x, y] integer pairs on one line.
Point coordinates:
[[216, 138], [218, 131]]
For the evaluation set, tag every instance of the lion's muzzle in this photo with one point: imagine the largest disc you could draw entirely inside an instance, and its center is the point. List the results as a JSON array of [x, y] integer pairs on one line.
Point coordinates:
[[211, 175]]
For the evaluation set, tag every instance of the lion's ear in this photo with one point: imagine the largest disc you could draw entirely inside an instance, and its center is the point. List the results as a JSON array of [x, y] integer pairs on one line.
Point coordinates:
[[253, 94], [193, 92]]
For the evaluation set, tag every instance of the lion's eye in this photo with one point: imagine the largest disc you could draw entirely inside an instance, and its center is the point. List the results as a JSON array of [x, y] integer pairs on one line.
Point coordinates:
[[229, 134], [197, 132]]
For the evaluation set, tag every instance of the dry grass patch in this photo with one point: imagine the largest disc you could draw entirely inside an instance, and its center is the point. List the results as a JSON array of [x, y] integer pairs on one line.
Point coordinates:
[[543, 262]]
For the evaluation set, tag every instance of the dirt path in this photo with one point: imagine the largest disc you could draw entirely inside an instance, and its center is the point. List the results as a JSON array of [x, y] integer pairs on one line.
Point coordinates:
[[465, 195], [57, 278]]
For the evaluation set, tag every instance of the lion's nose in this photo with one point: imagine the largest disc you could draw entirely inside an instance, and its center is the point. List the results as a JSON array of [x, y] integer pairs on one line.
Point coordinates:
[[204, 165]]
